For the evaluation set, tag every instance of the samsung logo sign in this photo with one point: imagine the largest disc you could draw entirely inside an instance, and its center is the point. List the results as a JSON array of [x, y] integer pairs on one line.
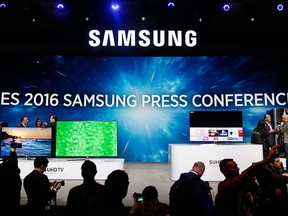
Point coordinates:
[[142, 38]]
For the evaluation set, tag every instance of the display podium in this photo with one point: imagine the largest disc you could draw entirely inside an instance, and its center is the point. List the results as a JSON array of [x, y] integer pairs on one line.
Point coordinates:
[[70, 168], [183, 156]]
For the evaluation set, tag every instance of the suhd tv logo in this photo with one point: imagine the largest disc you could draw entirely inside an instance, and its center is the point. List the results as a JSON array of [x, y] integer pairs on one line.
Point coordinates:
[[54, 169], [214, 162]]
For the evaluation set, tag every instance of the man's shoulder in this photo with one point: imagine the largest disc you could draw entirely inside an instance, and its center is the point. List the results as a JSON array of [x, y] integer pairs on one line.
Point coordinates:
[[189, 175]]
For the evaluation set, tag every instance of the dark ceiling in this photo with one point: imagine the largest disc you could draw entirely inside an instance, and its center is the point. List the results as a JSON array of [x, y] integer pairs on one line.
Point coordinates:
[[250, 26]]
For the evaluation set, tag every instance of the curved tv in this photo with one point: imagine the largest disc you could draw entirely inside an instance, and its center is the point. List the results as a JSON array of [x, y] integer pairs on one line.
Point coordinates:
[[29, 141], [216, 127], [86, 139]]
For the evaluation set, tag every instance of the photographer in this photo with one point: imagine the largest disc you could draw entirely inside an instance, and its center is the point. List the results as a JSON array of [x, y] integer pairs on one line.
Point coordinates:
[[39, 189], [147, 203], [10, 184]]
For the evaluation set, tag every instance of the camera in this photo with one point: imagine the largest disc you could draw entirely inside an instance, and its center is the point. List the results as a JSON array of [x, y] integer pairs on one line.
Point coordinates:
[[138, 196], [54, 182], [16, 145]]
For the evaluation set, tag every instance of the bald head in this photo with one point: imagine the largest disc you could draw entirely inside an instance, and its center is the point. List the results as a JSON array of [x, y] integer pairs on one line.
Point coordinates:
[[199, 168]]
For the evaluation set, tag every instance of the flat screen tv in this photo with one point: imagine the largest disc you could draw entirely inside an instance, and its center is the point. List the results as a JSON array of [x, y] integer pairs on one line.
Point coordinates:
[[30, 141], [86, 139], [216, 127]]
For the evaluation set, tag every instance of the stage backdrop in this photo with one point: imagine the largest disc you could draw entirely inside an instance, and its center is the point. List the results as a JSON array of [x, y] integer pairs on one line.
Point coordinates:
[[150, 97]]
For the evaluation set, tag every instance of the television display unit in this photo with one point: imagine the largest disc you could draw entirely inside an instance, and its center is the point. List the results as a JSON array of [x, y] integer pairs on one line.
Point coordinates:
[[216, 127], [86, 139], [29, 141]]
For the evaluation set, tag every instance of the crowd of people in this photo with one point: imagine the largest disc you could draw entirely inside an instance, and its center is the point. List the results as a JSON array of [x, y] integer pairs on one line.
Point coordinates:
[[269, 135], [258, 190], [255, 191], [38, 122]]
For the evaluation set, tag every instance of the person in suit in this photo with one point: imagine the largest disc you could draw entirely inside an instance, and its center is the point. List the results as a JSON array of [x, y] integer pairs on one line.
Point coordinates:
[[53, 119], [283, 133], [38, 188], [23, 121], [87, 198], [264, 136], [270, 130], [196, 198]]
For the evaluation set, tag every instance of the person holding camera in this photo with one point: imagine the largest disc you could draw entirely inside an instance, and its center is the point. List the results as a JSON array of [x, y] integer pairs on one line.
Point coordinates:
[[147, 203], [38, 188]]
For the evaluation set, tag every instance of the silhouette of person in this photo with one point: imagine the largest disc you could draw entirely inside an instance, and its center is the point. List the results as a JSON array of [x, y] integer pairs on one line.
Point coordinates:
[[150, 205], [87, 198], [38, 188], [116, 187], [273, 183], [230, 190], [10, 184], [197, 198], [53, 120]]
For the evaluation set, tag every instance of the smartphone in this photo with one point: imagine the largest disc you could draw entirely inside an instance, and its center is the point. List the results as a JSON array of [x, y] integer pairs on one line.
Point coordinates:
[[140, 199]]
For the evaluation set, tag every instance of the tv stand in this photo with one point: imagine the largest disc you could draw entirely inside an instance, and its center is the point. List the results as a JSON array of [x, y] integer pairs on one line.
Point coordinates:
[[70, 168], [183, 156]]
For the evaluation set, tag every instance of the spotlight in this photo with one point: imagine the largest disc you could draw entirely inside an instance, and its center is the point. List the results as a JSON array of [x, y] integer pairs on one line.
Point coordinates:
[[60, 6], [280, 7], [226, 7], [115, 6], [2, 5], [171, 4]]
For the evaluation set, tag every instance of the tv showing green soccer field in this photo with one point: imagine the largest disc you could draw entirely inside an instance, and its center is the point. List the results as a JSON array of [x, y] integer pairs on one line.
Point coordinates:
[[86, 139]]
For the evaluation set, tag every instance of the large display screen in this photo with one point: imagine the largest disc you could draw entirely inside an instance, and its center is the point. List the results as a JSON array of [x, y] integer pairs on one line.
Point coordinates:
[[216, 126], [86, 138], [30, 142]]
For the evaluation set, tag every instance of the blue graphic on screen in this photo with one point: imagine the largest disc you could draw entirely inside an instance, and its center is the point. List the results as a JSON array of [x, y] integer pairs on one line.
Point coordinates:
[[30, 142], [91, 88]]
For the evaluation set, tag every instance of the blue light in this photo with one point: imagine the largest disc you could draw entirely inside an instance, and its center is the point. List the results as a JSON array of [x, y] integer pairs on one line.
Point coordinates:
[[226, 7], [3, 5], [170, 4], [115, 6], [60, 6], [280, 7]]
